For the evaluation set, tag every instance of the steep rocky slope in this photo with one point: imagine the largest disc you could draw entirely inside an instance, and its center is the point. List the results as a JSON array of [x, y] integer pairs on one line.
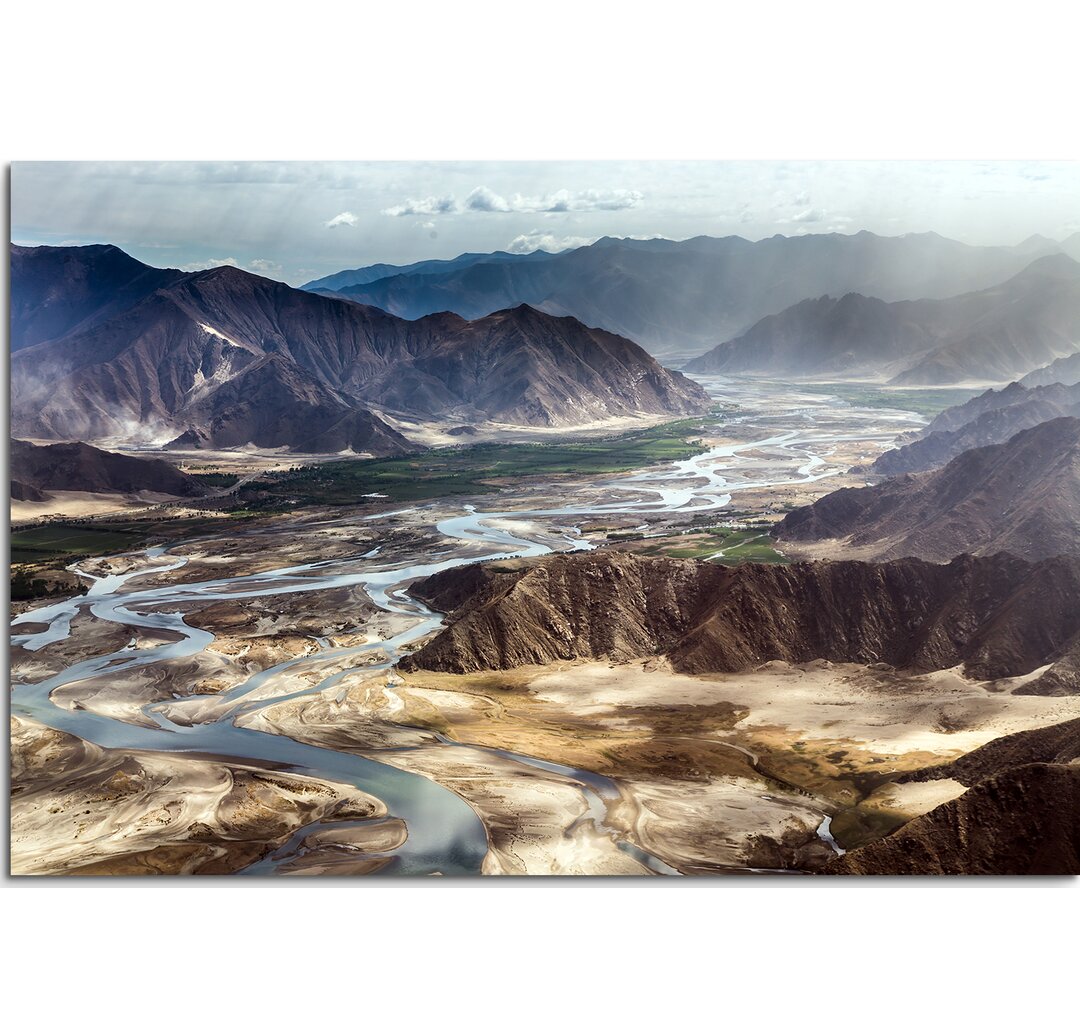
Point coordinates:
[[999, 615], [56, 291], [1024, 820], [1059, 743], [1022, 496]]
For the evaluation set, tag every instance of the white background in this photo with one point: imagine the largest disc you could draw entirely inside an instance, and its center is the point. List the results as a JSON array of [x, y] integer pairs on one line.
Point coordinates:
[[352, 80]]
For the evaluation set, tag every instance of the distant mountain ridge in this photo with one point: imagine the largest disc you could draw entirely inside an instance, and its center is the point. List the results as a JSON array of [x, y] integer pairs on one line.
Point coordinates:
[[379, 271], [1022, 496], [1064, 371], [681, 297], [234, 358], [991, 335]]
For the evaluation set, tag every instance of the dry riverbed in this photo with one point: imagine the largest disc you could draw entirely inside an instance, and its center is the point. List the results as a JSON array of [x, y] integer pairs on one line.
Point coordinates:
[[714, 773], [80, 809]]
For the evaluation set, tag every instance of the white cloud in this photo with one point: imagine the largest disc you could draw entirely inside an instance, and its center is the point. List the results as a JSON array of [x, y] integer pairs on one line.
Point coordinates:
[[342, 219], [590, 201], [430, 206], [265, 267], [539, 240], [208, 264], [806, 216], [559, 201], [484, 199]]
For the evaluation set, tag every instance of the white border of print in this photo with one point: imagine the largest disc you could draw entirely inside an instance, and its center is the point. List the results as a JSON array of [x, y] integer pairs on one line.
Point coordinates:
[[559, 80]]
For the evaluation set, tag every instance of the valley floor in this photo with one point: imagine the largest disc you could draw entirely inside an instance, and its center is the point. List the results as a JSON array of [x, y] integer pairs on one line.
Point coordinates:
[[229, 703]]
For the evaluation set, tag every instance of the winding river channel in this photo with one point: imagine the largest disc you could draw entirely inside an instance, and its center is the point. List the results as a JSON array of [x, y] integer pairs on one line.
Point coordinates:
[[445, 835]]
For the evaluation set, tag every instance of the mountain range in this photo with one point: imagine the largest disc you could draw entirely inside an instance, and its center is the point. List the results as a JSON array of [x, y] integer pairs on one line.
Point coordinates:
[[224, 358], [380, 271], [678, 298], [1022, 496], [994, 334], [999, 615]]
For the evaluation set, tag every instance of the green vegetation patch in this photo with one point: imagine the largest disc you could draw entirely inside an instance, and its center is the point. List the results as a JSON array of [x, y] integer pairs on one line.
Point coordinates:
[[733, 545], [67, 542], [454, 471], [926, 402], [217, 479]]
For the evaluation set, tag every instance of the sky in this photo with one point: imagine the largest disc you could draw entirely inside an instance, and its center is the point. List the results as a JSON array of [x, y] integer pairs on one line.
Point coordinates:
[[296, 221]]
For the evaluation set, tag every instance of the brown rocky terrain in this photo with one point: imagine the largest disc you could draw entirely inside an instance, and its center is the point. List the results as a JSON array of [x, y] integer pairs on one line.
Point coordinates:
[[1059, 743], [1000, 616], [1022, 496], [1024, 820], [76, 466]]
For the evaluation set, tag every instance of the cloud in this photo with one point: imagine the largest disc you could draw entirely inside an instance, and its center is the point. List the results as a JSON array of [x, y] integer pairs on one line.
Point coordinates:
[[806, 216], [484, 199], [430, 206], [802, 198], [562, 201], [539, 240], [342, 219], [208, 264], [265, 267]]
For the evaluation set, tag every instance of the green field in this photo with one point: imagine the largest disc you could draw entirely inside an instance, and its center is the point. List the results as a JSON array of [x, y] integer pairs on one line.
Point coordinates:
[[927, 402], [738, 545], [64, 543], [472, 469]]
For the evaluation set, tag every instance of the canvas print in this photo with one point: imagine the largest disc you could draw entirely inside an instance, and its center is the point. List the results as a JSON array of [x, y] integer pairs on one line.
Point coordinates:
[[553, 518]]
